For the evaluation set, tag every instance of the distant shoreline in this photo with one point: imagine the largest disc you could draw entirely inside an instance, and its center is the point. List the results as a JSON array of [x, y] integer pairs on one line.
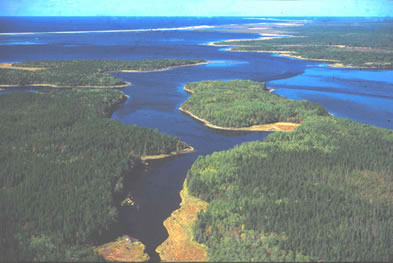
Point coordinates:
[[163, 69], [110, 31], [266, 35], [65, 87], [10, 66]]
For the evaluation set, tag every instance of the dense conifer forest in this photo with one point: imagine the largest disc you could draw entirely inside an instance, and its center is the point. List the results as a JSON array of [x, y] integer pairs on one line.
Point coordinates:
[[243, 103], [352, 44], [77, 73], [323, 192], [62, 162]]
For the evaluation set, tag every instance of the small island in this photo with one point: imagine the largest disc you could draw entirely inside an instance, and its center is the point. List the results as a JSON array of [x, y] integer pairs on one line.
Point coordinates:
[[82, 73], [244, 105]]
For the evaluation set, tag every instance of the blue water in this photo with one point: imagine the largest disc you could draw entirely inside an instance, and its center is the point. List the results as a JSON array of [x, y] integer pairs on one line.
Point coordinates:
[[362, 95]]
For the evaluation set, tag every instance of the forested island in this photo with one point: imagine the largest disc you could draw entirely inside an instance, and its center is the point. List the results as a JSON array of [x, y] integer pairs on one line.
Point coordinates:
[[63, 163], [81, 73], [342, 43], [321, 192], [245, 105]]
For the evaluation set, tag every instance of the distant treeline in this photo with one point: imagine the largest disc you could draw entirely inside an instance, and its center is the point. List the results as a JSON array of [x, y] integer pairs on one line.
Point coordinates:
[[82, 72], [323, 192], [366, 44], [243, 103], [61, 162]]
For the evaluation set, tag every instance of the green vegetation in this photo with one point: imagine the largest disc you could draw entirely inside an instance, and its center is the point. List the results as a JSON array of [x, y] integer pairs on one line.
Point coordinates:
[[243, 103], [362, 44], [322, 192], [62, 163], [76, 73]]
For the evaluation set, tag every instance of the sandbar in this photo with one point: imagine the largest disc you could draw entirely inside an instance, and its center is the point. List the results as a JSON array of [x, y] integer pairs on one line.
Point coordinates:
[[161, 156]]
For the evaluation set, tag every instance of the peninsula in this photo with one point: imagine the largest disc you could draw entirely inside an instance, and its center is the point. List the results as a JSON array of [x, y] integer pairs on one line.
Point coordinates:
[[60, 149], [82, 73], [339, 42], [292, 195]]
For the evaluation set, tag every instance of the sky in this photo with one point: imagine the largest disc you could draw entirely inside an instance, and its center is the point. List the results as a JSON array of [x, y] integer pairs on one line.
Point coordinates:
[[196, 8]]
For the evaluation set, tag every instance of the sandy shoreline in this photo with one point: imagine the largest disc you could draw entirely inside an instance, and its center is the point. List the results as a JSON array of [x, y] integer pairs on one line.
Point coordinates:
[[180, 245], [111, 31], [278, 126], [65, 87], [267, 33], [10, 66], [161, 156], [292, 54], [124, 249], [163, 69]]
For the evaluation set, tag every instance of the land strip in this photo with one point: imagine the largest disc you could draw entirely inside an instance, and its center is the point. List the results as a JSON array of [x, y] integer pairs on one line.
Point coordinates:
[[365, 44], [180, 245]]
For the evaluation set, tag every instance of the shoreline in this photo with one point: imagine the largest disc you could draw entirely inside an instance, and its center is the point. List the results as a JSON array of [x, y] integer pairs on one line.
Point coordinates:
[[64, 87], [192, 92], [112, 31], [124, 249], [189, 149], [163, 69], [278, 126], [180, 245], [290, 54], [10, 66]]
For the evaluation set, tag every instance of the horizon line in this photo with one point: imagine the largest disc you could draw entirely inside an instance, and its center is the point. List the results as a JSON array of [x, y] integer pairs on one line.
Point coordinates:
[[248, 16]]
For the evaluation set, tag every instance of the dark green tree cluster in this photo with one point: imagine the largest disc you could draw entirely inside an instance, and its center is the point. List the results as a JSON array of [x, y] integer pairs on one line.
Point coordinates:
[[76, 73], [323, 192], [367, 43], [243, 103], [62, 162]]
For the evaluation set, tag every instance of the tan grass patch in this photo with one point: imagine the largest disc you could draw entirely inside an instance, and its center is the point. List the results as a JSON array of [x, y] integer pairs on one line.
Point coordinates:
[[180, 245], [124, 250]]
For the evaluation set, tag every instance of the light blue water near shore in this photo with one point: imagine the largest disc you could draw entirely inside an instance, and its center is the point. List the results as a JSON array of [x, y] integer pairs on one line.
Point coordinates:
[[154, 98], [361, 95]]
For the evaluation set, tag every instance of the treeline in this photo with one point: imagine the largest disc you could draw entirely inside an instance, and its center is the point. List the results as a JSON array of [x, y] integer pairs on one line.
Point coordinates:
[[243, 103], [367, 44], [322, 192], [61, 163], [82, 72]]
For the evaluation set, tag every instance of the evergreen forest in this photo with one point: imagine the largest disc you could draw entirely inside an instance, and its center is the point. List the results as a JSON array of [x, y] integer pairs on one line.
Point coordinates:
[[63, 163], [243, 103], [352, 44], [322, 192], [76, 73]]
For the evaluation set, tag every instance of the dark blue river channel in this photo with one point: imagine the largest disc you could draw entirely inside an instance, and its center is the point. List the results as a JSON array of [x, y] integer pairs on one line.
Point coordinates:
[[362, 95]]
